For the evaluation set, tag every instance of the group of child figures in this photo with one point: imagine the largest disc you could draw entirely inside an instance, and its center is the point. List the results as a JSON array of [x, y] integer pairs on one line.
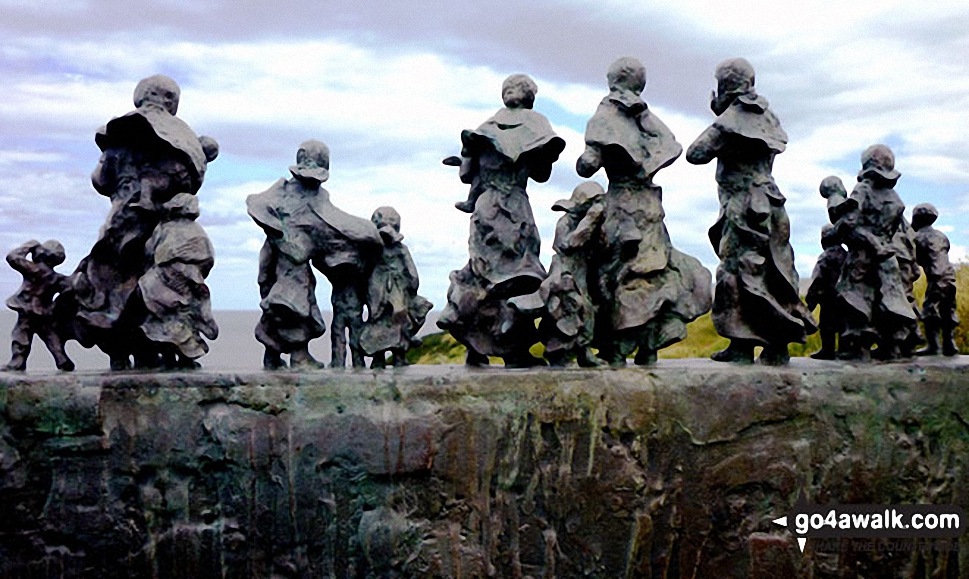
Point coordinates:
[[365, 262], [617, 286], [866, 292]]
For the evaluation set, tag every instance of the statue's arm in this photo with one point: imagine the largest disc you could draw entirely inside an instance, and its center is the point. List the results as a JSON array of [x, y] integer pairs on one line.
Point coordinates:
[[18, 258], [410, 270], [589, 162], [855, 234], [705, 148], [540, 171], [586, 227]]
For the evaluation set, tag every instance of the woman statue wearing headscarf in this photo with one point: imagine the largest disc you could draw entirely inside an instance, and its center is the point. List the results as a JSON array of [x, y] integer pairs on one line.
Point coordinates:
[[756, 300], [497, 159]]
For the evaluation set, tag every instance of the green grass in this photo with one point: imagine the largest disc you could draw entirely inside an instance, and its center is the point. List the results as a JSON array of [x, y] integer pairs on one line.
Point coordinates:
[[702, 339]]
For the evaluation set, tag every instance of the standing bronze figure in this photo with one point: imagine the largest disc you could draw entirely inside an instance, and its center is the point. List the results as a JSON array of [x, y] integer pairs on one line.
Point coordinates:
[[756, 300]]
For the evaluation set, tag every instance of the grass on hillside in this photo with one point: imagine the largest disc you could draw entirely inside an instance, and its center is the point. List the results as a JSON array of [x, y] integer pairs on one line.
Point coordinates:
[[702, 339]]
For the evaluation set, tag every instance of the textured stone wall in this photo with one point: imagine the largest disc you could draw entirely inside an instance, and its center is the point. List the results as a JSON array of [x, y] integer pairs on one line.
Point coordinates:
[[671, 472]]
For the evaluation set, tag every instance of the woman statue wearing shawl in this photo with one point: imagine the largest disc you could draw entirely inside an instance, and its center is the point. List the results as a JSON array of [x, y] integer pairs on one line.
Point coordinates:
[[304, 229], [874, 287], [148, 156], [646, 291], [756, 301], [492, 301]]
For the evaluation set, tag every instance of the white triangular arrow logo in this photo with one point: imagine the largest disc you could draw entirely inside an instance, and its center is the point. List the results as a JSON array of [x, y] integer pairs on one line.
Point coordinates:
[[781, 521], [801, 541]]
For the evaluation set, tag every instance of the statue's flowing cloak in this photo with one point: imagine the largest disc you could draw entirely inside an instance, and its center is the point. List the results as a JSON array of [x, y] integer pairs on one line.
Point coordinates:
[[650, 289], [498, 159], [148, 156], [757, 286], [510, 147], [873, 286], [302, 227], [173, 290]]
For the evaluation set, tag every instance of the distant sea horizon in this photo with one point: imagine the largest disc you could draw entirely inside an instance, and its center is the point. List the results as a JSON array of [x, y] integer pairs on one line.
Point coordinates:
[[236, 347]]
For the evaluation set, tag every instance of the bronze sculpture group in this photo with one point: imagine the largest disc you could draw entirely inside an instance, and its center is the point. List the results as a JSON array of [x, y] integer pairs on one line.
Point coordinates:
[[140, 294], [616, 286]]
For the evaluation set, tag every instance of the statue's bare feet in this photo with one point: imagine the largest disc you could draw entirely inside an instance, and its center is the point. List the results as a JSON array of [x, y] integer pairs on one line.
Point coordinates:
[[557, 359], [302, 360], [524, 361], [476, 359], [587, 359], [949, 345]]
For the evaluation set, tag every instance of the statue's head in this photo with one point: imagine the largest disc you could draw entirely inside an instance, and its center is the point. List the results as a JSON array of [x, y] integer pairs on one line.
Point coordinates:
[[386, 217], [518, 91], [829, 236], [832, 185], [878, 162], [312, 161], [924, 215], [627, 73], [158, 90], [735, 77], [51, 253], [210, 147], [583, 196], [182, 206]]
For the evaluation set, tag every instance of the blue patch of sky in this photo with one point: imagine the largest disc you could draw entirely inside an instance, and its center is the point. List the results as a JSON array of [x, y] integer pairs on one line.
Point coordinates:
[[560, 116], [230, 169]]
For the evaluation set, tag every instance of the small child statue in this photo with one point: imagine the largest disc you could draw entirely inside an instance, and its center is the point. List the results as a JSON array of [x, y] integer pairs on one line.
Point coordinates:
[[34, 302], [568, 325], [823, 291], [396, 311], [939, 308], [834, 192], [179, 310]]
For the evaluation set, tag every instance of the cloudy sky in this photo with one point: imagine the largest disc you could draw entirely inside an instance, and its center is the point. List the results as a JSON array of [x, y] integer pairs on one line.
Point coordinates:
[[389, 86]]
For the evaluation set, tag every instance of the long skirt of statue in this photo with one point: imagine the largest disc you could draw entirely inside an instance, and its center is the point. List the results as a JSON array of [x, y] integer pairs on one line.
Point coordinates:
[[396, 312], [176, 299]]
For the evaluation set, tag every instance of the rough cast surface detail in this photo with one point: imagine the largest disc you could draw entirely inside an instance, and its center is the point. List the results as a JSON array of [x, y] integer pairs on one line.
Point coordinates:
[[675, 471]]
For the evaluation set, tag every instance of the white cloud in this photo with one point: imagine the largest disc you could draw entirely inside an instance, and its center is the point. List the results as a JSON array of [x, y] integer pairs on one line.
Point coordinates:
[[959, 254]]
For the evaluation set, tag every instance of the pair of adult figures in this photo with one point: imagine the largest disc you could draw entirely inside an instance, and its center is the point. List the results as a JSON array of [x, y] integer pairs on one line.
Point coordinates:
[[617, 284]]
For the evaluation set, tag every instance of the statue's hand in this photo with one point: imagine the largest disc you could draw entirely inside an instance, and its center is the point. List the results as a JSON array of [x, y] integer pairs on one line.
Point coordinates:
[[588, 163]]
